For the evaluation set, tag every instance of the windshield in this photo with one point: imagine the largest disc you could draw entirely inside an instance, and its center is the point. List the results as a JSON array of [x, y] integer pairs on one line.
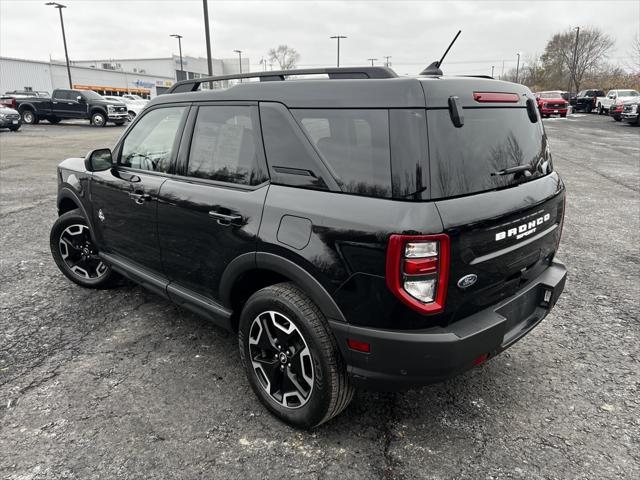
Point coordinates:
[[550, 95], [627, 93], [467, 160]]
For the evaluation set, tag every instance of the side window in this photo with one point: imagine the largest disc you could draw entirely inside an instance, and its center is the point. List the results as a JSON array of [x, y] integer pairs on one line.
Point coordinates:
[[291, 158], [150, 143], [226, 146], [355, 143], [63, 95]]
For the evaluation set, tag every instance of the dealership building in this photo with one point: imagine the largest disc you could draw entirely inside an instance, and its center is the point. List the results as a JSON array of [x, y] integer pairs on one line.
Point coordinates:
[[146, 77]]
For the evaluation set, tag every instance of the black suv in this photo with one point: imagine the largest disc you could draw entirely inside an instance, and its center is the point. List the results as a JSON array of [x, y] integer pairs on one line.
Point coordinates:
[[356, 230]]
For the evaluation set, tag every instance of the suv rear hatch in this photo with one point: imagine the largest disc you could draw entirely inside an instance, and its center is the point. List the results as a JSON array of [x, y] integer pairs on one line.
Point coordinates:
[[504, 228]]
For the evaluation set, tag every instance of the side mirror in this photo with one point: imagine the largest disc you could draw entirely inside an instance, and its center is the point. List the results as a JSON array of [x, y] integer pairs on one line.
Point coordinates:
[[98, 160], [80, 98]]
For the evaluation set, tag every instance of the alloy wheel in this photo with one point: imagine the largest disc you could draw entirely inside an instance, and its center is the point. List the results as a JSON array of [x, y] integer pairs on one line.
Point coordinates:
[[281, 359], [79, 254]]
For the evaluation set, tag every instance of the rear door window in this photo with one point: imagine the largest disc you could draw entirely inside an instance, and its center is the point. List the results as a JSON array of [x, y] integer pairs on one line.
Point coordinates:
[[355, 146], [465, 160], [226, 146]]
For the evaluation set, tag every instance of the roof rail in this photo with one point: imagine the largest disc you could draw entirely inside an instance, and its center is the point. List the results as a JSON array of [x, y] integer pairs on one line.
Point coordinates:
[[192, 85]]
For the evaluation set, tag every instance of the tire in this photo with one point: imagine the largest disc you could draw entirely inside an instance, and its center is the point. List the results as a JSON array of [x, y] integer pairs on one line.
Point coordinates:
[[14, 129], [311, 357], [74, 252], [119, 123], [98, 119], [29, 117], [600, 110], [588, 109], [131, 115], [617, 119], [54, 120], [563, 115]]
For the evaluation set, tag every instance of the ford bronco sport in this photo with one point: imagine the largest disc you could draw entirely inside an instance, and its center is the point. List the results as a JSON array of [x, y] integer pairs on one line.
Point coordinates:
[[358, 230]]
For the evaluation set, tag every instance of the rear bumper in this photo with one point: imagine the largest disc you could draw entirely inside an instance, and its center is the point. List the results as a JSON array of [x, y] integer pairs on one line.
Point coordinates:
[[630, 117], [405, 359]]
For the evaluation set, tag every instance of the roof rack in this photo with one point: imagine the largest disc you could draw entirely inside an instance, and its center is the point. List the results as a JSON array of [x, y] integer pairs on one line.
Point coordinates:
[[192, 85]]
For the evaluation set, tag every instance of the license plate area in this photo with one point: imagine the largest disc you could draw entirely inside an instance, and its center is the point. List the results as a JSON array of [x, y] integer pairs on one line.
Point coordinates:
[[521, 314]]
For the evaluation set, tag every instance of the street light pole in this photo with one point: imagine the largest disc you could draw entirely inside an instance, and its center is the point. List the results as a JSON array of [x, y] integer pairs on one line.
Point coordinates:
[[387, 63], [372, 60], [239, 52], [179, 37], [518, 67], [575, 58], [338, 37], [59, 6], [492, 66], [207, 37]]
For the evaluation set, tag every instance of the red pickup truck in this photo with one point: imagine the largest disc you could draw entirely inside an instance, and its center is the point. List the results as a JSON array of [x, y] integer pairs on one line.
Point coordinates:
[[551, 103]]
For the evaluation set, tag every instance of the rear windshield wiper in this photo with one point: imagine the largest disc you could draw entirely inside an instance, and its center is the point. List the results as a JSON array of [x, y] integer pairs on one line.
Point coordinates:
[[526, 169]]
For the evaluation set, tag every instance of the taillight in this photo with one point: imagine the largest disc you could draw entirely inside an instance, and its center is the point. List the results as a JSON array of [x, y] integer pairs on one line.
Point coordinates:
[[564, 209], [418, 270]]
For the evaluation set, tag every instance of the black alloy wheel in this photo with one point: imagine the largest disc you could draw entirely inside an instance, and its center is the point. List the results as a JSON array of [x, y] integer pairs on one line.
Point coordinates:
[[75, 253], [281, 359]]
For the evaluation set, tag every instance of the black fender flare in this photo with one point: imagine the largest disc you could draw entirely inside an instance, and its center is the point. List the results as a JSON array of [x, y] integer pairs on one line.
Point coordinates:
[[27, 106], [285, 267], [98, 109], [70, 194]]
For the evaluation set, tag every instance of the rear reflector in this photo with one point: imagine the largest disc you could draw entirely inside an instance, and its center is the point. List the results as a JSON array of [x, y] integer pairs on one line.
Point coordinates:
[[358, 345], [481, 359], [417, 266], [495, 97]]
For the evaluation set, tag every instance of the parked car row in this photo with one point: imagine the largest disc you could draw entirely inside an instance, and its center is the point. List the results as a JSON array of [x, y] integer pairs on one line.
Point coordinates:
[[33, 107]]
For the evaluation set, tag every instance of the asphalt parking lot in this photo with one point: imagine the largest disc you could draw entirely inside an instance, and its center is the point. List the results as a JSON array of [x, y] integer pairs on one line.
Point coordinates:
[[121, 384]]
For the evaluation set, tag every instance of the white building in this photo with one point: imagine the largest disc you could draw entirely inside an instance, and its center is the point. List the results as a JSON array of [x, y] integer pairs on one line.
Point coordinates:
[[147, 77]]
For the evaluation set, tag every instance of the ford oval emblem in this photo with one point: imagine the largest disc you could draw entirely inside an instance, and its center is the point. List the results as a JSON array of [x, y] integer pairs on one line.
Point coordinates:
[[467, 280]]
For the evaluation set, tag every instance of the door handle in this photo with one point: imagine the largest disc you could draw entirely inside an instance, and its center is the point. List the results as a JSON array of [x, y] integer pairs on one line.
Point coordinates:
[[69, 103], [139, 197], [224, 219]]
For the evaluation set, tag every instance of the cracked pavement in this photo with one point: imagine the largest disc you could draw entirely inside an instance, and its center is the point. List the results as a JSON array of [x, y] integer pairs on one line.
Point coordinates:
[[122, 384]]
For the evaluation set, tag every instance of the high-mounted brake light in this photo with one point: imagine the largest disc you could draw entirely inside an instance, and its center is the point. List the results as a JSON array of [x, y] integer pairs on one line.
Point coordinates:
[[418, 270], [495, 97]]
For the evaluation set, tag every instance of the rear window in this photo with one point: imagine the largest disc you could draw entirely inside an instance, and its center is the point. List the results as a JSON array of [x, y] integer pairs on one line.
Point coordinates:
[[491, 139]]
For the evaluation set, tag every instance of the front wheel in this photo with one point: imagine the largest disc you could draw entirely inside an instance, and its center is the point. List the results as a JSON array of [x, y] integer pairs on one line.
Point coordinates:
[[119, 123], [291, 358], [98, 119], [75, 253]]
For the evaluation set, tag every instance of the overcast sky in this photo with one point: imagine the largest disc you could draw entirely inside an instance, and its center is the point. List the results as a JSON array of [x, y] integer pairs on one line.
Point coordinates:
[[413, 33]]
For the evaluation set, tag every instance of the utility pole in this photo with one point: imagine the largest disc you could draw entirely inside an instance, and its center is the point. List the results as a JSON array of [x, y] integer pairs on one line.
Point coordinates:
[[59, 6], [492, 66], [179, 37], [575, 59], [338, 37], [387, 63], [372, 60], [502, 74], [239, 52], [207, 37], [518, 67]]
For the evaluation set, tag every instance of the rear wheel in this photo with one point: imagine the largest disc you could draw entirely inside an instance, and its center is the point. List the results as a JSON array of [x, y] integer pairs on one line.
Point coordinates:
[[98, 119], [75, 253], [29, 117], [53, 120], [119, 123], [600, 110], [291, 358]]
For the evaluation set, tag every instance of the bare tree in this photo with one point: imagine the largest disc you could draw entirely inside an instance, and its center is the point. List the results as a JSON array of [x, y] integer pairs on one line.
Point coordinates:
[[562, 55], [286, 57], [635, 54]]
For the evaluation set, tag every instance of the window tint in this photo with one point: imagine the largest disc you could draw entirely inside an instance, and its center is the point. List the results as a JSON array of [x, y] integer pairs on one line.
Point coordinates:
[[355, 144], [63, 95], [292, 160], [492, 139], [150, 143], [225, 146], [409, 154]]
